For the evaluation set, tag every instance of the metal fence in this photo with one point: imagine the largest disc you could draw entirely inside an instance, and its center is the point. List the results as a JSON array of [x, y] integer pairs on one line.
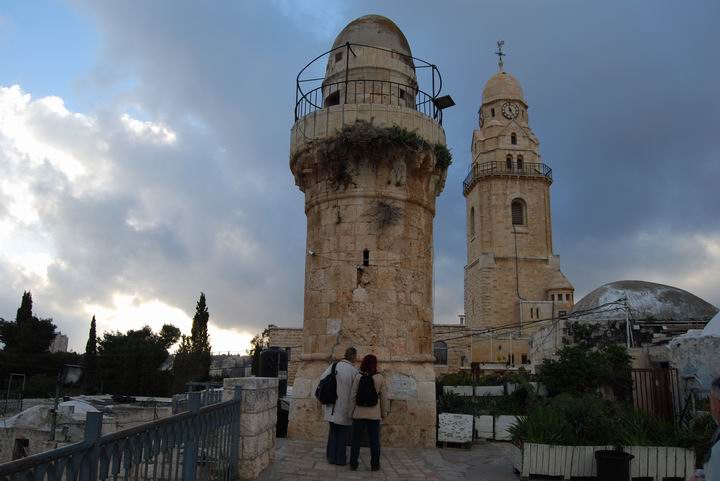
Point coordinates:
[[313, 93], [511, 168], [198, 445], [12, 402], [207, 397], [367, 91]]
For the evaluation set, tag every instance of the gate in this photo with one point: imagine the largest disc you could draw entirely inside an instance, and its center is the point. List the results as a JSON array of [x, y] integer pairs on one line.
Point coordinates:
[[656, 392]]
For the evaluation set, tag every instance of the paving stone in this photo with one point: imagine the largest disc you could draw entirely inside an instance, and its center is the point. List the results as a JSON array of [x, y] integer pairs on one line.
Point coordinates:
[[305, 461]]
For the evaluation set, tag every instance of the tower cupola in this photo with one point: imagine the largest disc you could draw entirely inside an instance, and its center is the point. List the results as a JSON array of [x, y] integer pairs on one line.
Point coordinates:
[[502, 86]]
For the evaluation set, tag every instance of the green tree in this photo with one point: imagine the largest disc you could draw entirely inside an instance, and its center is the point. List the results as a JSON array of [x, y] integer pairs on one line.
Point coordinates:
[[194, 356], [579, 370], [134, 363], [90, 360], [27, 334], [257, 344]]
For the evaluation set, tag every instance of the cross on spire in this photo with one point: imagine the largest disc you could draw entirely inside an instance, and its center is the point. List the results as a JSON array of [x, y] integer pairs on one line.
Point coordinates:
[[500, 54]]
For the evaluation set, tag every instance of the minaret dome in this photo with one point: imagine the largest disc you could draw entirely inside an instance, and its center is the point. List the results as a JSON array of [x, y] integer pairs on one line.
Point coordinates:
[[374, 31]]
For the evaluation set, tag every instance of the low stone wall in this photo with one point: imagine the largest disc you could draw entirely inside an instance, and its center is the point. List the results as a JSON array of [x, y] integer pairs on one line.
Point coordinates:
[[258, 417]]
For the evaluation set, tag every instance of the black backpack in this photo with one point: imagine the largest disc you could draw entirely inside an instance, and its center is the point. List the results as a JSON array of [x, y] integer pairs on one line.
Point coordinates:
[[367, 395], [326, 391]]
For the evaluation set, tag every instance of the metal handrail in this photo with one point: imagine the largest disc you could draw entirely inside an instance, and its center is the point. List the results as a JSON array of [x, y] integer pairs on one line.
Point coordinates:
[[503, 168], [187, 441], [367, 91], [302, 96]]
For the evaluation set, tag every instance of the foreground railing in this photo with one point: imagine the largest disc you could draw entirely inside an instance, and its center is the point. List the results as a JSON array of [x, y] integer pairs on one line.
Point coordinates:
[[488, 169], [199, 445]]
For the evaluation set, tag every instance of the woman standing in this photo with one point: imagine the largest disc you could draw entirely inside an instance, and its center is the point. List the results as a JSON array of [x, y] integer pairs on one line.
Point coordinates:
[[368, 405]]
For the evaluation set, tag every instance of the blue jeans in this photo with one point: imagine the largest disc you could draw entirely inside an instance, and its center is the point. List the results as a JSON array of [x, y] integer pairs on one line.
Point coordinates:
[[336, 444], [373, 428]]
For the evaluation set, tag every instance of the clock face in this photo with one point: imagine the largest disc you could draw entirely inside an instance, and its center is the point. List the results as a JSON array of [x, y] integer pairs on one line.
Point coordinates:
[[510, 110]]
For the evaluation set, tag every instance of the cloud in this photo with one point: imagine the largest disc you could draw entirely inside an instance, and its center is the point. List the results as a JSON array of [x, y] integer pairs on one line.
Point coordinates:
[[120, 207], [175, 178]]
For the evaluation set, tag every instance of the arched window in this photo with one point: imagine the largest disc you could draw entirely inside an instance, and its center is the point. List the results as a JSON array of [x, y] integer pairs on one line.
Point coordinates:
[[472, 222], [518, 212], [508, 162], [440, 351], [513, 138], [520, 162]]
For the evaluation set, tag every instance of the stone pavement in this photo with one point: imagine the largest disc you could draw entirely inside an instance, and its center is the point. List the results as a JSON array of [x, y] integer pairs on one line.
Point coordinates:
[[305, 461]]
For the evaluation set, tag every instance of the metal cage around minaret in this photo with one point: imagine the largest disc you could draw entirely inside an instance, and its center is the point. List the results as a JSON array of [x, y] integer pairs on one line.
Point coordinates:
[[347, 83]]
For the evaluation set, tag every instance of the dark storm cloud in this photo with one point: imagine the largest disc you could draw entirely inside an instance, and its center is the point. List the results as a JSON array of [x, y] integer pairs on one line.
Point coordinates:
[[623, 97]]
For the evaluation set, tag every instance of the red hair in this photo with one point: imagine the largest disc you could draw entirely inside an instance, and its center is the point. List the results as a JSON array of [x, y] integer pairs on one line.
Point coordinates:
[[369, 364]]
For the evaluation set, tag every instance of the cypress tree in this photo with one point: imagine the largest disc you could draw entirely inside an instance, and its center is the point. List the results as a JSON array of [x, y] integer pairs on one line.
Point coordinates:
[[90, 360]]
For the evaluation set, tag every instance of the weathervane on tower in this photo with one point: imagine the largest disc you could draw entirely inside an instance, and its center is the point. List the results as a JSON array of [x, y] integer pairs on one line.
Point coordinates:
[[500, 54]]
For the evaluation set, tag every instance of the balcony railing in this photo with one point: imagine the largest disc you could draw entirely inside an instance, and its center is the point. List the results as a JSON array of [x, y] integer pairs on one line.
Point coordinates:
[[313, 93], [367, 92], [201, 444], [491, 169]]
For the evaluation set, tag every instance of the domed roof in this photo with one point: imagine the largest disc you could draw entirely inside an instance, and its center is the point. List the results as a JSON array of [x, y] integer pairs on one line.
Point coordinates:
[[502, 86], [375, 31], [647, 301]]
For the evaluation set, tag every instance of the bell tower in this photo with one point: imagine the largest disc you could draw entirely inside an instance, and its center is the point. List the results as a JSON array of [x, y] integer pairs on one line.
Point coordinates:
[[512, 278]]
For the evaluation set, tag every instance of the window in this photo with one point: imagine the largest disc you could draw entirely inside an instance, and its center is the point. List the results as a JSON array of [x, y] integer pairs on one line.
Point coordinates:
[[508, 162], [552, 297], [366, 257], [567, 297], [524, 359], [518, 212], [520, 162], [402, 94], [492, 112], [472, 221], [440, 351], [333, 99], [513, 138], [338, 56]]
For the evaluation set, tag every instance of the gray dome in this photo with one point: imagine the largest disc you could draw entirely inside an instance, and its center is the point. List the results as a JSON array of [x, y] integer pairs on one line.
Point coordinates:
[[647, 301]]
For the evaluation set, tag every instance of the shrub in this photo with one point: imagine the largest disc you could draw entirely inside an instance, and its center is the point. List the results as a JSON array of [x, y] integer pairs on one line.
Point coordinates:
[[363, 141], [581, 370], [461, 378]]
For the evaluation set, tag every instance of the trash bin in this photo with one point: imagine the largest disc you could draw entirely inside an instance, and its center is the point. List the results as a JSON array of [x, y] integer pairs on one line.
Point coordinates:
[[613, 465]]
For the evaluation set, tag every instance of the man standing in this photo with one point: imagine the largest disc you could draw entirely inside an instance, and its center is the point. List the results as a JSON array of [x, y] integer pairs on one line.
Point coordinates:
[[337, 414]]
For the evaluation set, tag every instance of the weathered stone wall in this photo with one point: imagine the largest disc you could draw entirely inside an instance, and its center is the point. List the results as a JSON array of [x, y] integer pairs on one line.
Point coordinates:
[[258, 417], [288, 337], [382, 305]]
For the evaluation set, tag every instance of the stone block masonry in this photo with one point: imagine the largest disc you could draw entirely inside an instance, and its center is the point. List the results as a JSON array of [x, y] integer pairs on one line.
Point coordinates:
[[258, 417]]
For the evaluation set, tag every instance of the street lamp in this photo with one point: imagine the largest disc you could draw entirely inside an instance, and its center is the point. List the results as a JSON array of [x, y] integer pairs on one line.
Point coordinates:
[[69, 374]]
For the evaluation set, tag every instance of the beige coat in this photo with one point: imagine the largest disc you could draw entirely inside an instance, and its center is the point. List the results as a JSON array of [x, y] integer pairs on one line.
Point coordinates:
[[345, 374], [378, 411]]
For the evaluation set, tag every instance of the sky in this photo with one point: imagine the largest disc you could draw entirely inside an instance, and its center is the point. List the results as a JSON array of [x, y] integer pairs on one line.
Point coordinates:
[[144, 148]]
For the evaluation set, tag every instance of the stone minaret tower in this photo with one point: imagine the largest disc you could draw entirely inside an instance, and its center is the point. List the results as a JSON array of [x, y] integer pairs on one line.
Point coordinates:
[[368, 151], [512, 276]]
